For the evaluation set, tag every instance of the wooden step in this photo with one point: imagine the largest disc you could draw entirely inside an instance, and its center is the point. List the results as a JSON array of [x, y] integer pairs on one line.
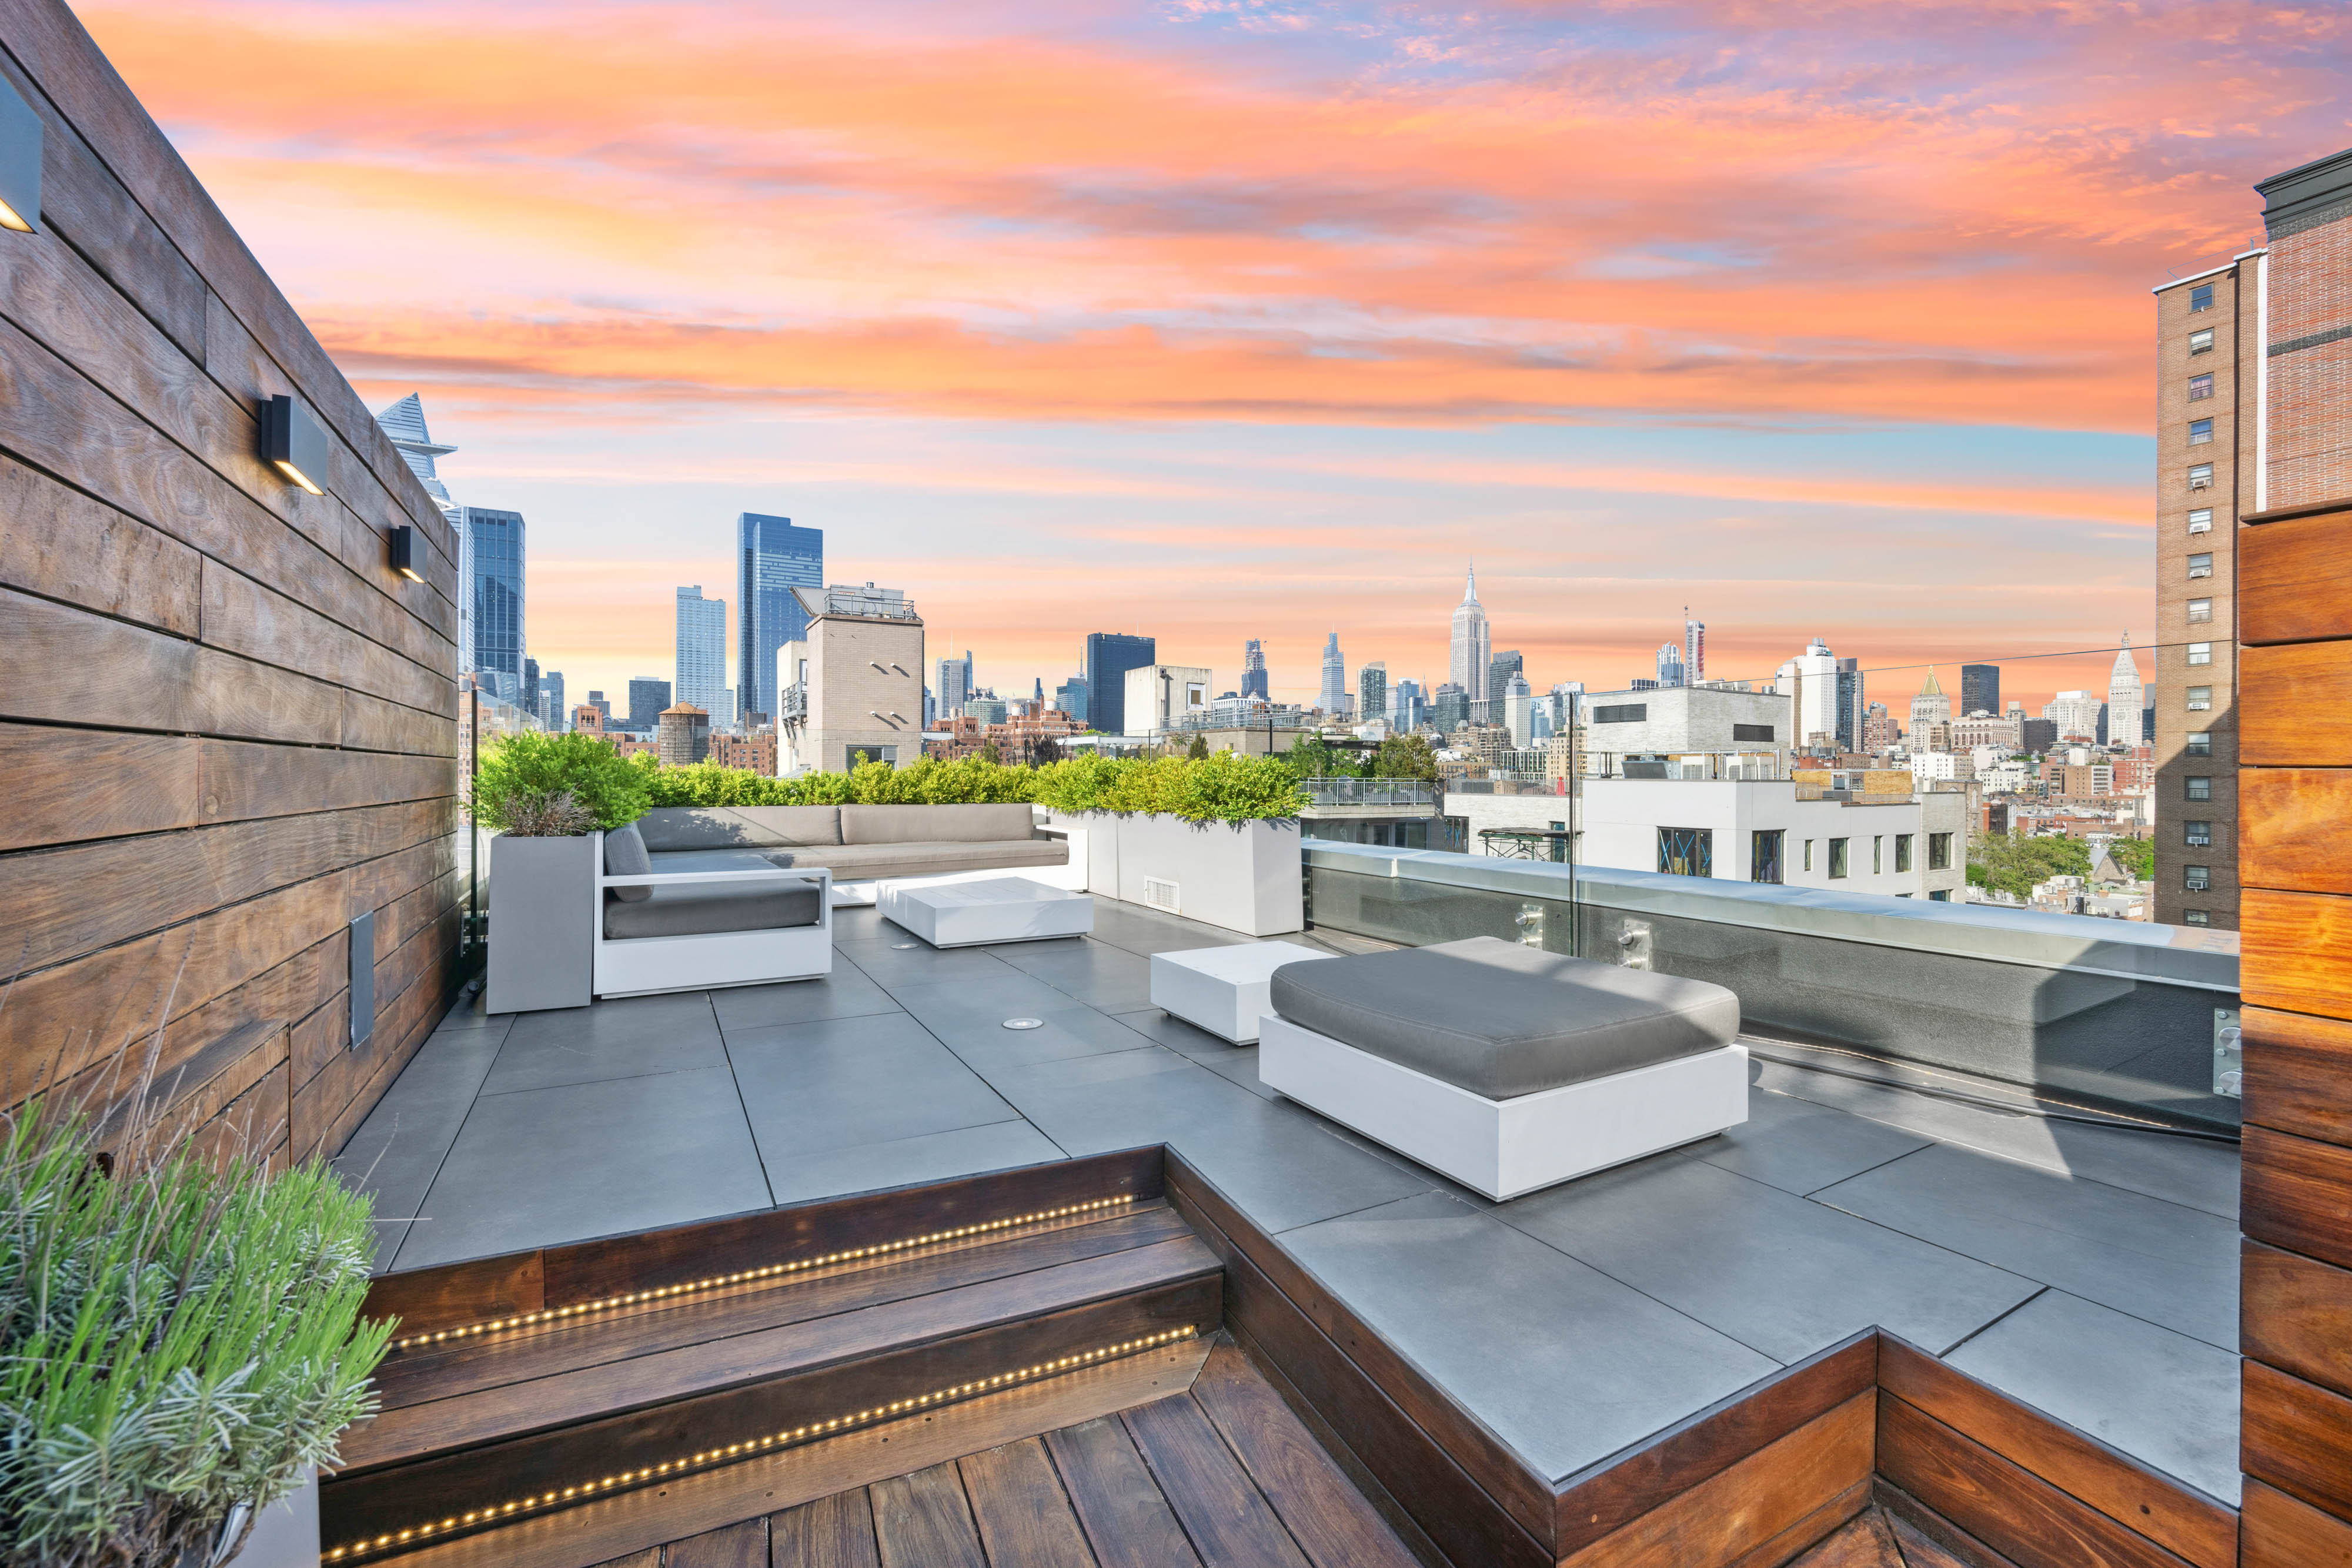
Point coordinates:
[[483, 1428]]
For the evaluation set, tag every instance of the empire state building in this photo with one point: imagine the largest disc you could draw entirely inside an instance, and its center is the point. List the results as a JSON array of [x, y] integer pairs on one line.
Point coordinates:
[[1474, 645]]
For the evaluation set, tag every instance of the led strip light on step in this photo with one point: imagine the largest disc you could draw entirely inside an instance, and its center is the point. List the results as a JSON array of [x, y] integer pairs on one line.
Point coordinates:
[[668, 1469], [752, 1276]]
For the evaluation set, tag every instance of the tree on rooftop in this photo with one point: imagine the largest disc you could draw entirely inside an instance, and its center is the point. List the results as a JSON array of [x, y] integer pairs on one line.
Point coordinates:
[[2015, 864]]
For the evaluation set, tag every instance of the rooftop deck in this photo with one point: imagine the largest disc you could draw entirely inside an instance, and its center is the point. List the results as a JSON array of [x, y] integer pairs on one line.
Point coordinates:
[[2088, 1270]]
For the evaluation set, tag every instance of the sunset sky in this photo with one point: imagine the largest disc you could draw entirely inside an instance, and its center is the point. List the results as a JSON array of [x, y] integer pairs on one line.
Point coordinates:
[[1228, 320]]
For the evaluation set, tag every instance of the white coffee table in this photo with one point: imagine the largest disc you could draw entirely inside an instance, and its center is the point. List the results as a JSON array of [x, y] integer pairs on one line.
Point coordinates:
[[1222, 990], [998, 909]]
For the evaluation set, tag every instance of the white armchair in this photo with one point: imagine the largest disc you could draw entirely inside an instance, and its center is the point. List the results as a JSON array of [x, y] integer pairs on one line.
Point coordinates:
[[694, 929]]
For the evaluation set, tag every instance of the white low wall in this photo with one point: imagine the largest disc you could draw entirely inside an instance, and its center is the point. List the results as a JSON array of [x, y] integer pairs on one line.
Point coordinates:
[[1243, 876]]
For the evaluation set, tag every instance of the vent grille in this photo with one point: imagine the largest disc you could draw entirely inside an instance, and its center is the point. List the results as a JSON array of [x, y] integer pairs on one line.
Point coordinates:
[[1158, 893]]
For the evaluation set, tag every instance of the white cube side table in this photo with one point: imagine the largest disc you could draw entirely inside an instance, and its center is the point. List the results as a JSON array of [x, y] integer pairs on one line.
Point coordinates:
[[1222, 990], [1001, 909]]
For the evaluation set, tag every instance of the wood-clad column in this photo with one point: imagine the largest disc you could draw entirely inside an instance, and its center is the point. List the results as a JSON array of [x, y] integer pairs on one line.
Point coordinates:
[[2295, 811]]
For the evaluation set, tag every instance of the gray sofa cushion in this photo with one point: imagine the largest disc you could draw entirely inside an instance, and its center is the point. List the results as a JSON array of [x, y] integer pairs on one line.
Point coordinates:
[[861, 863], [1503, 1019], [678, 827], [935, 825], [720, 860], [702, 910], [625, 855]]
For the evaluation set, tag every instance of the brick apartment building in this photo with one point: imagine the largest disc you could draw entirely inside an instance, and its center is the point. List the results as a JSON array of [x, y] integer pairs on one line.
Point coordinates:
[[2253, 367]]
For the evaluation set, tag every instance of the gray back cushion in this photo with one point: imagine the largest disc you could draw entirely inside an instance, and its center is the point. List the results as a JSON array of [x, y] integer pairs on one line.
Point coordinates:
[[625, 855], [935, 824], [1501, 1019], [670, 828]]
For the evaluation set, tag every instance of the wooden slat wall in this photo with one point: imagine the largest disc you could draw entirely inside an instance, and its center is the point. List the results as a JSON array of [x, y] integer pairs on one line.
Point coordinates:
[[2295, 788], [226, 727]]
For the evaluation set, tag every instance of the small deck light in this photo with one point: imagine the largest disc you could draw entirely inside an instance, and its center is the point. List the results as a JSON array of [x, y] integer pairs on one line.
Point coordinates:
[[20, 162], [297, 443], [404, 552]]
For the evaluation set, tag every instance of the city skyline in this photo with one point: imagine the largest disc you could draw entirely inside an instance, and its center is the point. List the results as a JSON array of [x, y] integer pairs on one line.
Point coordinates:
[[1822, 338]]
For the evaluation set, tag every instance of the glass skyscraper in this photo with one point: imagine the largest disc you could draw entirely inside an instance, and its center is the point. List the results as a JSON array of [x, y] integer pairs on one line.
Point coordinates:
[[772, 558], [494, 548], [1254, 677], [702, 654], [1109, 655]]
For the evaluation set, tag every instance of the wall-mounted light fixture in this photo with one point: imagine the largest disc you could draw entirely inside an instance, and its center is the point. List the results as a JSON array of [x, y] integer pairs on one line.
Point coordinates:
[[404, 552], [297, 444], [20, 162]]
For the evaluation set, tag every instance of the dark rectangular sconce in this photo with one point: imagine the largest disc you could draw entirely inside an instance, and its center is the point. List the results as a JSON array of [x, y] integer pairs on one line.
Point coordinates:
[[362, 984], [297, 444], [20, 162], [404, 552]]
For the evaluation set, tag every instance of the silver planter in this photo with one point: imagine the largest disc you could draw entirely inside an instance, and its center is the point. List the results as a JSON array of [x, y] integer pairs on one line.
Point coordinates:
[[285, 1535], [542, 922]]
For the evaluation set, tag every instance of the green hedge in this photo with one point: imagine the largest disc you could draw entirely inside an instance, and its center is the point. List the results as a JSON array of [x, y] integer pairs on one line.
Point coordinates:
[[1222, 787]]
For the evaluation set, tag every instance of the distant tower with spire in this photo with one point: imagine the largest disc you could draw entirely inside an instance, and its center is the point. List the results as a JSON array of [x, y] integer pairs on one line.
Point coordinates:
[[2126, 697], [1931, 707], [1473, 643]]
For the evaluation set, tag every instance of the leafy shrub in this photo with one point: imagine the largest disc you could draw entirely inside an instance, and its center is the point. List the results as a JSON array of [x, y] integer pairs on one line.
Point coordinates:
[[517, 781], [1220, 787], [177, 1339]]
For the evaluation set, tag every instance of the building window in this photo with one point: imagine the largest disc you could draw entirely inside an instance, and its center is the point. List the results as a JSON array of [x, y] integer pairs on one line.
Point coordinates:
[[1809, 855], [2200, 521], [2200, 610], [1764, 856], [1902, 852], [2200, 698], [2201, 342], [2201, 476], [1624, 713], [2200, 787], [2200, 565], [2201, 742], [1878, 854], [2200, 431], [1939, 852], [2201, 653], [2201, 297], [2196, 879], [1837, 858], [2196, 917], [2200, 387], [1686, 852], [2197, 835], [1938, 895], [1751, 732]]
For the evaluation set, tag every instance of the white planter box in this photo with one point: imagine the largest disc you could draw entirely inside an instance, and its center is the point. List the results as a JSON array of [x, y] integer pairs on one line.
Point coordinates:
[[542, 902], [1242, 876]]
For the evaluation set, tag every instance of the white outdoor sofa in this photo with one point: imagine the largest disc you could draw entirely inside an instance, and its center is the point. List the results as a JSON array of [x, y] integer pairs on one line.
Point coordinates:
[[1505, 1066], [719, 917]]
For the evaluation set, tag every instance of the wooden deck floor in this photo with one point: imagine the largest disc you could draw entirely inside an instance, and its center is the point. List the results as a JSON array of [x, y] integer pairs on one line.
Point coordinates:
[[1223, 1474]]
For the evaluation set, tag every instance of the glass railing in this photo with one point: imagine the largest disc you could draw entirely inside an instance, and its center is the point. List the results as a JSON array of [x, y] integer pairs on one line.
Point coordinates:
[[1402, 793], [2126, 1015]]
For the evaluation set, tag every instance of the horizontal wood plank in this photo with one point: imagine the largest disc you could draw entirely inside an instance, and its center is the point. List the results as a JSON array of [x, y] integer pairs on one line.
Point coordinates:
[[1754, 1501], [1526, 1497], [2296, 1314], [2279, 691], [2290, 828], [242, 781], [2290, 577], [589, 1270], [2193, 1526], [69, 785], [2299, 1073], [2283, 1532], [2296, 1193], [1613, 1494], [2296, 952], [2004, 1504], [2296, 1436], [59, 543]]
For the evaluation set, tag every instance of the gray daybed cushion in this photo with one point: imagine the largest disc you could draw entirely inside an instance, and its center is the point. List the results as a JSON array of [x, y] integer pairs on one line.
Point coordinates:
[[702, 909], [625, 855], [935, 825], [859, 863], [1501, 1019]]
